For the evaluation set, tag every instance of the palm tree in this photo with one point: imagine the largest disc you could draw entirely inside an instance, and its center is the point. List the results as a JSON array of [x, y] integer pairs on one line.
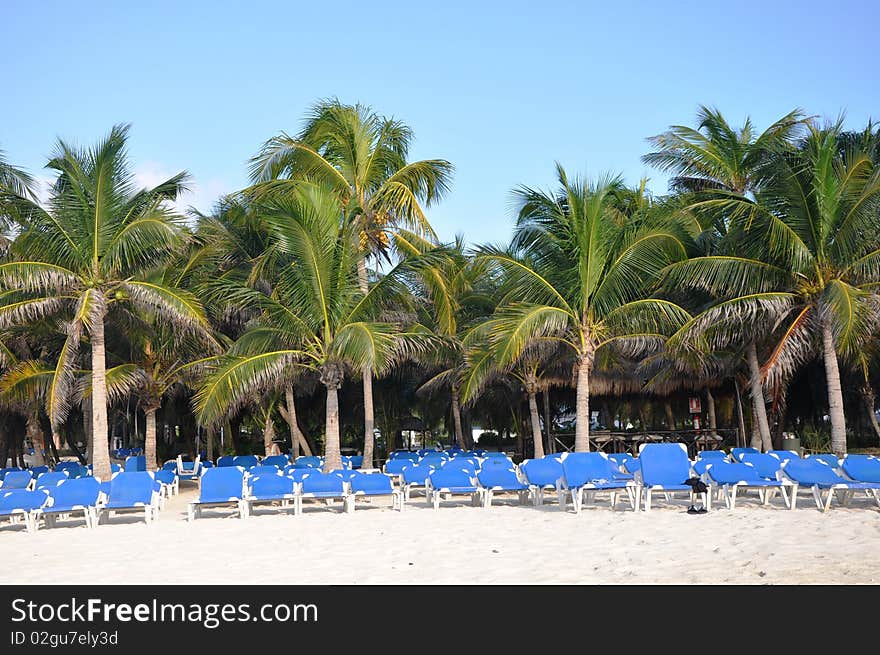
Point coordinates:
[[581, 272], [538, 366], [14, 183], [315, 318], [811, 261], [234, 243], [362, 157], [715, 160], [86, 255], [458, 293], [164, 363]]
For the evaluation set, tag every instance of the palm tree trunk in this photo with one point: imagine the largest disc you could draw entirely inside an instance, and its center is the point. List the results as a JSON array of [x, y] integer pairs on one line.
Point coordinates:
[[150, 437], [269, 437], [741, 437], [35, 434], [456, 419], [835, 395], [757, 391], [868, 397], [710, 411], [209, 442], [670, 416], [547, 426], [369, 418], [332, 456], [100, 447], [87, 427], [298, 440], [582, 405], [536, 425]]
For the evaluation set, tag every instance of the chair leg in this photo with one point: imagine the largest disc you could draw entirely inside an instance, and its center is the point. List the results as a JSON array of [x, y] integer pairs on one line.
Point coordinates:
[[817, 496], [793, 494], [648, 499], [733, 490], [828, 500]]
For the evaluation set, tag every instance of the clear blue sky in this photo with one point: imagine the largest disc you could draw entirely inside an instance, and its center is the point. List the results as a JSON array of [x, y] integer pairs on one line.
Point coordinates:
[[501, 89]]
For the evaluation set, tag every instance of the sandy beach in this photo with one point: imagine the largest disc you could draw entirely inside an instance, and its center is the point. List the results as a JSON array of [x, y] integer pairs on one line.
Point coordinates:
[[458, 544]]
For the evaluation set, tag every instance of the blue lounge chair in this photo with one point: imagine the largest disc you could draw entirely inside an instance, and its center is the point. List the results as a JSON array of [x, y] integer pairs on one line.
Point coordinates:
[[699, 467], [587, 474], [50, 479], [9, 469], [416, 475], [767, 465], [354, 461], [737, 453], [16, 480], [276, 460], [220, 486], [712, 454], [70, 497], [72, 468], [245, 461], [464, 463], [189, 471], [226, 460], [170, 483], [501, 479], [297, 475], [826, 458], [404, 454], [23, 503], [135, 463], [861, 468], [39, 470], [451, 481], [132, 491], [170, 465], [395, 466], [665, 468], [729, 477], [497, 462], [309, 461], [434, 459], [818, 477], [542, 474], [372, 485], [268, 489], [632, 465], [784, 455], [261, 470], [324, 486]]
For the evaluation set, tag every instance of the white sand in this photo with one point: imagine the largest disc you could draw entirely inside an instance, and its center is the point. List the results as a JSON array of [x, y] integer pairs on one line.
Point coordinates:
[[458, 544]]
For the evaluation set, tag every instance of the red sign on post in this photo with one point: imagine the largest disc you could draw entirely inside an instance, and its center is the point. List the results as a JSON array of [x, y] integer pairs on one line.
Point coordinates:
[[694, 405]]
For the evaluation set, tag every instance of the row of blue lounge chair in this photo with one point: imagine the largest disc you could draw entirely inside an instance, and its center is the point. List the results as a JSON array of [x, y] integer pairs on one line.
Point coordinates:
[[574, 477], [56, 495]]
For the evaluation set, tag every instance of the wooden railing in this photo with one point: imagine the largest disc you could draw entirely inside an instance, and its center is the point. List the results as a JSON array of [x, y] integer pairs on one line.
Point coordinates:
[[611, 441]]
